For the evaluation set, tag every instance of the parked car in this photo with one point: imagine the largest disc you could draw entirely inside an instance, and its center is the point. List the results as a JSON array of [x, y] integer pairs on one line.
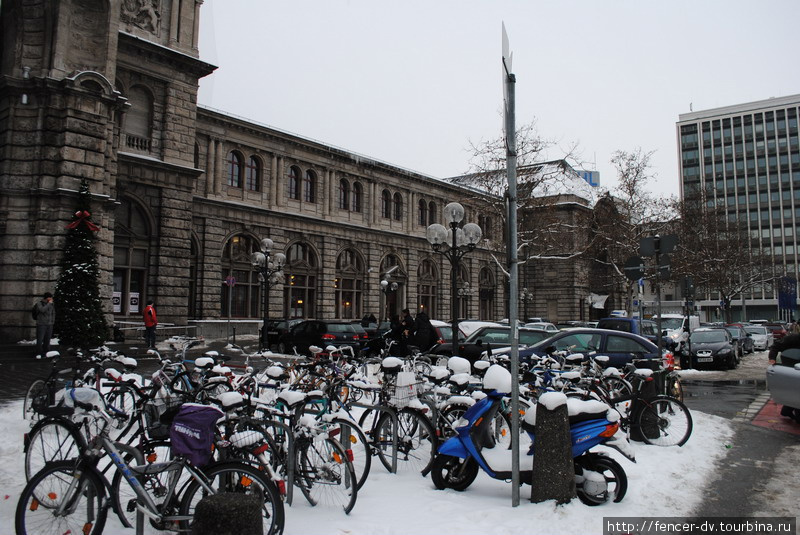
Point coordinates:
[[713, 346], [542, 326], [645, 328], [742, 338], [778, 330], [361, 331], [620, 347], [485, 337], [277, 328], [320, 333], [762, 337], [783, 378]]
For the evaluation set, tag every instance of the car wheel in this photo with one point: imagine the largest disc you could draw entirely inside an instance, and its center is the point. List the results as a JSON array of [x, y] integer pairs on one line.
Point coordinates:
[[732, 361], [282, 348]]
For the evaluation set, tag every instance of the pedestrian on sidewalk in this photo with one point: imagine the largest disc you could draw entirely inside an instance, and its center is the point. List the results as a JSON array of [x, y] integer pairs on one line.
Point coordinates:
[[150, 324], [790, 341], [44, 312]]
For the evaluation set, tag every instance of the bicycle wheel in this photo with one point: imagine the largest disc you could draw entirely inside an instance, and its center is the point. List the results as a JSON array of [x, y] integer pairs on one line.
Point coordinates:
[[55, 486], [324, 473], [416, 441], [356, 446], [36, 397], [156, 451], [234, 476], [51, 439], [121, 401], [617, 387], [664, 421]]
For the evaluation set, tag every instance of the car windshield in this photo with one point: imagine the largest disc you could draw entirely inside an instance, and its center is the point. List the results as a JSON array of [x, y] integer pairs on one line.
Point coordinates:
[[705, 337], [671, 323], [756, 330], [734, 331]]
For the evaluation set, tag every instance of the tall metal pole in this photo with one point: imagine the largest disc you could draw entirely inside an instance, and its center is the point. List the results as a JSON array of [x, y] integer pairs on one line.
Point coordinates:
[[511, 174], [453, 289]]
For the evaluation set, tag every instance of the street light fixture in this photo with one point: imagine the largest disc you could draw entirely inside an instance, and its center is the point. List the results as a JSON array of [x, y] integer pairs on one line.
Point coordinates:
[[270, 274], [387, 287], [453, 244], [526, 296]]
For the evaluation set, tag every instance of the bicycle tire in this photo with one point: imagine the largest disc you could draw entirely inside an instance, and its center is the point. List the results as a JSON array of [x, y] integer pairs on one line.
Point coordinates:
[[122, 400], [416, 441], [353, 439], [324, 473], [122, 494], [48, 488], [235, 476], [36, 397], [664, 421], [51, 439]]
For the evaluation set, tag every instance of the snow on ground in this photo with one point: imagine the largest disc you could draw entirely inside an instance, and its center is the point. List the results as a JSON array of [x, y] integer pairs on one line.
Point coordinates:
[[663, 482]]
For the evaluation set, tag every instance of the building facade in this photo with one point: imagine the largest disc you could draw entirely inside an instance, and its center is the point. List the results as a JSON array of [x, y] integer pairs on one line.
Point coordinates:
[[106, 92], [746, 158]]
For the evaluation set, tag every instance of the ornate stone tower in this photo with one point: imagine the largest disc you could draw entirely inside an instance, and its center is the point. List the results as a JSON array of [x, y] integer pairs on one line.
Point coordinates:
[[102, 90]]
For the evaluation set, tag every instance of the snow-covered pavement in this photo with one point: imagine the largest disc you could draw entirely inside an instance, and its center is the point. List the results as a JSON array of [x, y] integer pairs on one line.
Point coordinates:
[[663, 482]]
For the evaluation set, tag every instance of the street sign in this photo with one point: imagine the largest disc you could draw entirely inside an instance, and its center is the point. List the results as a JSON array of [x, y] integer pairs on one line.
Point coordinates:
[[634, 268], [657, 244]]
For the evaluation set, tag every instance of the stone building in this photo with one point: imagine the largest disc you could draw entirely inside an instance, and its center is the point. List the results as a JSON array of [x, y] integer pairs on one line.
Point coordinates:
[[106, 91]]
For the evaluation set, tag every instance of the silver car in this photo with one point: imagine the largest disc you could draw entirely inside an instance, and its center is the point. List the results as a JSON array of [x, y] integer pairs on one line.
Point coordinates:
[[783, 378], [762, 337]]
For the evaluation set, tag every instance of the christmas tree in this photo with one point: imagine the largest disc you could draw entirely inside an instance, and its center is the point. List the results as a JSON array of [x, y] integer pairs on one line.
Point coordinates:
[[79, 313]]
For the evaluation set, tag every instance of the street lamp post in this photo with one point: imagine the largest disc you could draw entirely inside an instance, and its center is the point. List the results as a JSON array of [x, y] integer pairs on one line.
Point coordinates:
[[270, 274], [387, 287], [453, 245]]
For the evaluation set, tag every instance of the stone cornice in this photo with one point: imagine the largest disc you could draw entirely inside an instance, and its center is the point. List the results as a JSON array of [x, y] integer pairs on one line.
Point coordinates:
[[136, 46]]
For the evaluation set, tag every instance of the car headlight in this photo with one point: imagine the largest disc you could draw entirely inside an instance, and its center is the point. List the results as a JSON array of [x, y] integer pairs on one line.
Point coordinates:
[[724, 351]]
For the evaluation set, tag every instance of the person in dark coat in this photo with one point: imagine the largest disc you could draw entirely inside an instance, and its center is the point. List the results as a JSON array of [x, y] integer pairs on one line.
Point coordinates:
[[44, 312], [790, 341], [424, 333]]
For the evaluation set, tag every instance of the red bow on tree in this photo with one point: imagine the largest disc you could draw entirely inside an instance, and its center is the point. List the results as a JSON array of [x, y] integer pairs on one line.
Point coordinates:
[[83, 216]]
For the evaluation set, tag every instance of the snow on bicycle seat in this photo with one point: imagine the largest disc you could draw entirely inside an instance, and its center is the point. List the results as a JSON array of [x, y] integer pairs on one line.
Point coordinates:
[[204, 362], [277, 372], [292, 398], [574, 357], [572, 377], [643, 372], [459, 365], [230, 400], [602, 359], [391, 365]]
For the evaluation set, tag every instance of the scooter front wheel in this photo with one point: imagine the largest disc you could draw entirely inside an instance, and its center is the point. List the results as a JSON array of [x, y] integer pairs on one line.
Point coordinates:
[[450, 472], [599, 479]]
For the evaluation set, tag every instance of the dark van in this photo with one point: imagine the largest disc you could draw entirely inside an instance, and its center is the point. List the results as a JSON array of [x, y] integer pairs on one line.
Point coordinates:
[[646, 328]]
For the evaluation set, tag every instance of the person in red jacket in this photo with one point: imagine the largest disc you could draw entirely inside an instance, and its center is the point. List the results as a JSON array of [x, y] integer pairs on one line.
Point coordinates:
[[150, 323]]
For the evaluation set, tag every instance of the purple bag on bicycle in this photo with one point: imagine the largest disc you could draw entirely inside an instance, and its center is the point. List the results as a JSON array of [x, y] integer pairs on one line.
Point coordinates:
[[192, 432]]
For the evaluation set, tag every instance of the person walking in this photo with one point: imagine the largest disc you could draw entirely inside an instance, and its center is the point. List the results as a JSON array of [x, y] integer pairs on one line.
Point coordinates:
[[150, 324], [44, 312], [424, 334]]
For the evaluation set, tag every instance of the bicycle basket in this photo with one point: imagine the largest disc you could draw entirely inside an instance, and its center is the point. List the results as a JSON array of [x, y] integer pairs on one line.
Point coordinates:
[[192, 432], [406, 388], [158, 415]]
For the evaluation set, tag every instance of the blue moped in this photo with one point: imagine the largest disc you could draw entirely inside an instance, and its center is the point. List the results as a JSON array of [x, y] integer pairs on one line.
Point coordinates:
[[598, 477]]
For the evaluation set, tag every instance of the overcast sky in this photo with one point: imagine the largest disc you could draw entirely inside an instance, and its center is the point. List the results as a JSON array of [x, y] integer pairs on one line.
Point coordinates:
[[412, 82]]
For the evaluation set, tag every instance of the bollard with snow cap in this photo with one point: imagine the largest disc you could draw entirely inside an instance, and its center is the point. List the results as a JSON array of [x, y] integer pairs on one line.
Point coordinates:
[[553, 468]]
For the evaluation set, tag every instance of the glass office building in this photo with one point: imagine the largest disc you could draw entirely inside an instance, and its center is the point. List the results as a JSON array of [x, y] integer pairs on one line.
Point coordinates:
[[747, 159]]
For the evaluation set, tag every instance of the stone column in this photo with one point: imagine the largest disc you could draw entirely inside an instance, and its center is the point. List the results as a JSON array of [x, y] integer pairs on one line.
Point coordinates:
[[219, 157]]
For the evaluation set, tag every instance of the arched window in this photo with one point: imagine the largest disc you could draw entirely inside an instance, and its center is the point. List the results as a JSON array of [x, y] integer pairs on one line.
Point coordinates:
[[398, 206], [294, 183], [486, 288], [234, 169], [422, 213], [131, 257], [300, 290], [349, 285], [427, 275], [386, 204], [139, 120], [253, 175], [432, 215], [242, 299], [310, 187], [344, 194], [357, 197]]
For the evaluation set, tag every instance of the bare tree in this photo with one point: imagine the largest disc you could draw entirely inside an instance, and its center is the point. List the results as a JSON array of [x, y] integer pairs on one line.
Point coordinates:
[[621, 219], [717, 252]]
